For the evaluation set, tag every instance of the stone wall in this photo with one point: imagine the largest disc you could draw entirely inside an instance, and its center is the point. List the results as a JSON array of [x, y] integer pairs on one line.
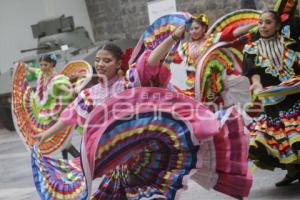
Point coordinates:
[[127, 19]]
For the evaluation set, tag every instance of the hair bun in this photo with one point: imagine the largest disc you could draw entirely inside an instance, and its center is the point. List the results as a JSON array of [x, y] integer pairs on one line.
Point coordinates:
[[50, 57], [202, 18]]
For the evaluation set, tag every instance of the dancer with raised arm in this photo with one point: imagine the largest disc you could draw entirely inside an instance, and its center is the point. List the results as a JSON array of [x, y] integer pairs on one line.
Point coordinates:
[[144, 142], [36, 110], [273, 60]]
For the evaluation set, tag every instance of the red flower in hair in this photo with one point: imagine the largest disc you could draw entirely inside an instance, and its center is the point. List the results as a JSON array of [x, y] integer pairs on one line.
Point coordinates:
[[125, 59]]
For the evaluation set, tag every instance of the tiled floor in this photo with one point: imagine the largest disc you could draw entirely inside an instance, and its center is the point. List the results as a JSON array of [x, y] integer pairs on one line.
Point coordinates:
[[16, 179]]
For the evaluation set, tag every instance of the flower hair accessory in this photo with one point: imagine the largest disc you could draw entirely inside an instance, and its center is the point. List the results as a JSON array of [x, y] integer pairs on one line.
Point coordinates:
[[125, 61], [53, 57], [202, 18], [49, 57], [125, 58]]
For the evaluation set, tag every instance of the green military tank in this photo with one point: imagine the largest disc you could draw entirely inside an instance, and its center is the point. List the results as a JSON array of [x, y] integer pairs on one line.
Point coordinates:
[[60, 36]]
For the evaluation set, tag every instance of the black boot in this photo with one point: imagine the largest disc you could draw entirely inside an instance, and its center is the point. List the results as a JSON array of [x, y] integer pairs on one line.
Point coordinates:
[[287, 180], [65, 154], [73, 151]]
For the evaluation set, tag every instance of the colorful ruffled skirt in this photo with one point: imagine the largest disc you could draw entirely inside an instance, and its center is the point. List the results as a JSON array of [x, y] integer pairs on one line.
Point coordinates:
[[32, 115], [145, 144], [275, 135], [27, 112]]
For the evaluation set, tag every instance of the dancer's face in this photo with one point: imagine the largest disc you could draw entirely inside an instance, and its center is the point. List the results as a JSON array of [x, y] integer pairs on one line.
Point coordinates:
[[197, 30], [46, 66], [267, 25], [106, 64]]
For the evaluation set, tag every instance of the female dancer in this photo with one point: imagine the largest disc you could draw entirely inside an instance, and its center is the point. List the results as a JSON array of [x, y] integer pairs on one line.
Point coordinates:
[[148, 155], [269, 61], [107, 65], [191, 51], [53, 93]]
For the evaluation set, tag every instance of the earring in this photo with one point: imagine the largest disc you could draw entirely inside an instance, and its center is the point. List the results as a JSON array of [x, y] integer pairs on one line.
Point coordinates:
[[120, 72]]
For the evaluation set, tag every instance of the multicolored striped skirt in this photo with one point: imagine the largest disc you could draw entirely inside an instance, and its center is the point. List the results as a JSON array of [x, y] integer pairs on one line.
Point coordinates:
[[145, 143]]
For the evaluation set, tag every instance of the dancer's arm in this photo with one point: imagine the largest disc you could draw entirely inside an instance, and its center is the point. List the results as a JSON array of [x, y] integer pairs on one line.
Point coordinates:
[[58, 126], [30, 69], [161, 51], [243, 29]]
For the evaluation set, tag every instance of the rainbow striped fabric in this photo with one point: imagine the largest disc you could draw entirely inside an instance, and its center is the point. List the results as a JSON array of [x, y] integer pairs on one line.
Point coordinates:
[[36, 110], [145, 143], [66, 183], [26, 121], [221, 57], [158, 31]]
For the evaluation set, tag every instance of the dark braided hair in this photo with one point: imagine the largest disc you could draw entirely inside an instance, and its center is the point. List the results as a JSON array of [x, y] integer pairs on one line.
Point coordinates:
[[202, 19], [275, 15], [51, 58], [115, 50]]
